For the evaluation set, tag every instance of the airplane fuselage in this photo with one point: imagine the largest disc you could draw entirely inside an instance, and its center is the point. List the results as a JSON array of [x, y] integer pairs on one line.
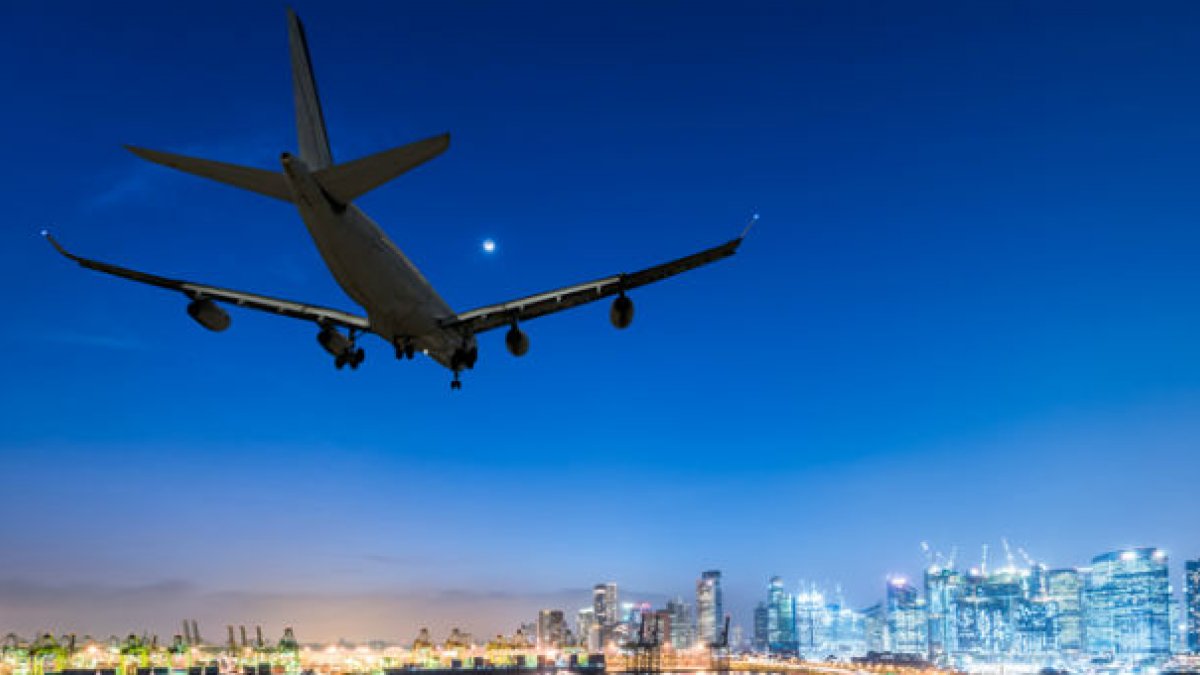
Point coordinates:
[[400, 303]]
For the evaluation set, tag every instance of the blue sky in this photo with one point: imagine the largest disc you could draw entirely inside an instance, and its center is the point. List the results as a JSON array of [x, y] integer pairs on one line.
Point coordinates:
[[969, 311]]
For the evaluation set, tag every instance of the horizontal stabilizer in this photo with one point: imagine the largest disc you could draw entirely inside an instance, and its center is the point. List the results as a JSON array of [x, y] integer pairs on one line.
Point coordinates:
[[269, 183], [345, 182]]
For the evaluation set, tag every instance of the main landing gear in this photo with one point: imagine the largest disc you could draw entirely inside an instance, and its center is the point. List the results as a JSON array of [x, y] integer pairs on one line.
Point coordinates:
[[351, 357], [456, 383], [341, 347], [405, 349]]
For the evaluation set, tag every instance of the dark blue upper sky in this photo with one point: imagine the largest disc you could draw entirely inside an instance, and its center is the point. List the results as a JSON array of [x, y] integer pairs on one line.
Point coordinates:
[[970, 310]]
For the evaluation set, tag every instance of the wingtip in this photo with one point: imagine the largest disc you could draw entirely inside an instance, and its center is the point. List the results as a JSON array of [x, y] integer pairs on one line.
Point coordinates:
[[54, 242], [135, 150], [750, 225]]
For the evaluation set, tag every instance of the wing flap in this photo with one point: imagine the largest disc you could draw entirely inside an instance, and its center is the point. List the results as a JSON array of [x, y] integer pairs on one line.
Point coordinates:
[[531, 307], [196, 291]]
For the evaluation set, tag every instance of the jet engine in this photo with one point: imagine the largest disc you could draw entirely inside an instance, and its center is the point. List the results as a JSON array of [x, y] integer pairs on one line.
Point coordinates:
[[621, 314], [517, 341], [208, 314], [334, 342]]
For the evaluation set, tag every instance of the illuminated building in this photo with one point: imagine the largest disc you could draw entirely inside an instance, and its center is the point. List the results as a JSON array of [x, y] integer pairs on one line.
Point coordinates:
[[845, 633], [587, 629], [875, 628], [781, 619], [812, 624], [907, 625], [709, 609], [683, 625], [761, 627], [986, 614], [551, 629], [1191, 590], [942, 586], [605, 605], [1127, 605], [1065, 589]]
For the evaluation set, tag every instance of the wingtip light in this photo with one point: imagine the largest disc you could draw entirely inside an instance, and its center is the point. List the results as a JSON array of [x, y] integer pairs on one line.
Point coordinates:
[[753, 221]]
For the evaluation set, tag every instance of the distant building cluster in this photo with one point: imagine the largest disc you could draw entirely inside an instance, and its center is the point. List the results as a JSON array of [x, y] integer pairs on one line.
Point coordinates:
[[1119, 610], [609, 624]]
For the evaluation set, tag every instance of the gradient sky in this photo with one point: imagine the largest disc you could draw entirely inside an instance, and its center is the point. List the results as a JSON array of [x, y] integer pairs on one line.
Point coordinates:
[[970, 310]]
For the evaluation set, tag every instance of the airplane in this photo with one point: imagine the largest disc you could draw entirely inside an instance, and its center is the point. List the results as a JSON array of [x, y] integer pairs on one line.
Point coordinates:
[[401, 305]]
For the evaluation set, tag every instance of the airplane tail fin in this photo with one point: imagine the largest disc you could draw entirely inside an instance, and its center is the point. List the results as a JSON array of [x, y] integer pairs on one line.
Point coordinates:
[[269, 183], [310, 122], [345, 182]]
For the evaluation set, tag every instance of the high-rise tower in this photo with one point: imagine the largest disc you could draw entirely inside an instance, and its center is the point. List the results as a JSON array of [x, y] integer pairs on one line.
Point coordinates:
[[1191, 591], [605, 608], [1127, 600], [710, 612]]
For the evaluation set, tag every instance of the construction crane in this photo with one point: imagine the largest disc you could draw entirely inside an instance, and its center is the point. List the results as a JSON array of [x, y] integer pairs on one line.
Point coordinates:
[[1009, 560]]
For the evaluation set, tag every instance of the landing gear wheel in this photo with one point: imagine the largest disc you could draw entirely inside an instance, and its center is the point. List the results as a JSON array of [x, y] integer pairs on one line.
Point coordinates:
[[339, 361], [409, 351], [356, 358], [455, 384]]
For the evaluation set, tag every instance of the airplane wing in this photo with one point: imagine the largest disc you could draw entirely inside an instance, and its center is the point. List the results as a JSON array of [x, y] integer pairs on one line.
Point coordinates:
[[295, 310], [524, 309]]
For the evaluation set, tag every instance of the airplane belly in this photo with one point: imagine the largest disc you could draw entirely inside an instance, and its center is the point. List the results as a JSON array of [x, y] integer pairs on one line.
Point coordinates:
[[376, 275]]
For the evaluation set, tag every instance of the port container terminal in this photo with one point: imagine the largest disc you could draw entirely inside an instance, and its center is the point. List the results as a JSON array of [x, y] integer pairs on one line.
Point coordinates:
[[458, 654]]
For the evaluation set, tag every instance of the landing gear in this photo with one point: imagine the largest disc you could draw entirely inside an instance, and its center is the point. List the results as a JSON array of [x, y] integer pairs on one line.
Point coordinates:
[[341, 347], [351, 357], [405, 349], [456, 383]]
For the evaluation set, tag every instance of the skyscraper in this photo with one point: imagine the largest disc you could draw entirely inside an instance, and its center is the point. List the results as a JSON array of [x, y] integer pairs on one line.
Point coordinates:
[[1191, 590], [761, 627], [875, 627], [942, 587], [709, 609], [589, 632], [812, 624], [907, 625], [781, 619], [605, 605], [551, 629], [1065, 588], [683, 624], [1127, 605]]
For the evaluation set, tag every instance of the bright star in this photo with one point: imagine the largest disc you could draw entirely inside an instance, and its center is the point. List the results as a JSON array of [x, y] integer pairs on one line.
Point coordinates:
[[489, 246]]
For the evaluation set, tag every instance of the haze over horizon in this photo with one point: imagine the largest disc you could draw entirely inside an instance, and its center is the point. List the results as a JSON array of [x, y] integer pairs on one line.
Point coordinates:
[[969, 312]]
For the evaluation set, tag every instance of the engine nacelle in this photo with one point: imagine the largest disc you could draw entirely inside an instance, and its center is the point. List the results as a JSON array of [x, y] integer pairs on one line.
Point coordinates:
[[333, 341], [208, 314], [621, 313], [517, 341]]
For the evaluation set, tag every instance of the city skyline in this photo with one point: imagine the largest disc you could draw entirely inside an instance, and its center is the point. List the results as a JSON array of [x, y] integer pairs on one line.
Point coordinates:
[[485, 613], [969, 311]]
